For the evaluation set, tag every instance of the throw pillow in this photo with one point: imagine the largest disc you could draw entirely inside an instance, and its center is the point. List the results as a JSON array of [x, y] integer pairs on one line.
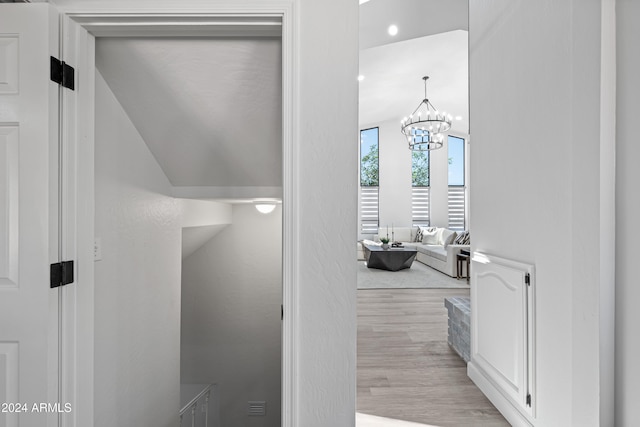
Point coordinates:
[[430, 236], [420, 233], [461, 238], [418, 237], [425, 228], [447, 237], [467, 239], [439, 239]]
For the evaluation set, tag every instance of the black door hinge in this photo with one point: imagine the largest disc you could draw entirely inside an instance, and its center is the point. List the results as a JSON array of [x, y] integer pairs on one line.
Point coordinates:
[[61, 273], [62, 73], [527, 279], [529, 400], [281, 312]]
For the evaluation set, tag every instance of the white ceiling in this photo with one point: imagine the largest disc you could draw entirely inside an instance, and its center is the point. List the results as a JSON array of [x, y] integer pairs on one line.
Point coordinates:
[[414, 18], [393, 85], [208, 109], [432, 41]]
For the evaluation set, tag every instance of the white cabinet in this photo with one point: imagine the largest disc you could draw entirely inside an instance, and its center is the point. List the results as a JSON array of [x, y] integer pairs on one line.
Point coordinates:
[[502, 332]]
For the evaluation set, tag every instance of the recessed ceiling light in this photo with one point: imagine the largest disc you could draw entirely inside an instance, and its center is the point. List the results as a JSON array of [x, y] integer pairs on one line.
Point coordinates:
[[458, 117], [363, 1], [360, 78], [392, 30]]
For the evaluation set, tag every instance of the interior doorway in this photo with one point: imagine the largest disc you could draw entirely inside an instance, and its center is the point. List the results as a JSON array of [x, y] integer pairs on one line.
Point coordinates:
[[406, 370], [231, 263]]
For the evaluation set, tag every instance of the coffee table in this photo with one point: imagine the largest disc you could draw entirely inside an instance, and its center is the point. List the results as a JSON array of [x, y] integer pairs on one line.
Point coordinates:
[[392, 259]]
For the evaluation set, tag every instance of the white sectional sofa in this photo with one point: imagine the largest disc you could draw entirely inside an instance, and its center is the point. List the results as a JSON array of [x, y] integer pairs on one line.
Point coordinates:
[[436, 250]]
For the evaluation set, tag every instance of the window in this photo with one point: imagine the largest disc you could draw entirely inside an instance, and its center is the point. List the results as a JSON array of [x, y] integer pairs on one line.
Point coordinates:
[[420, 188], [369, 181], [456, 183]]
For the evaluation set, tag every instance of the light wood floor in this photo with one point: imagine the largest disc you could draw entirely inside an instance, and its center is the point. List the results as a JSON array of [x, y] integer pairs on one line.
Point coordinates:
[[406, 369]]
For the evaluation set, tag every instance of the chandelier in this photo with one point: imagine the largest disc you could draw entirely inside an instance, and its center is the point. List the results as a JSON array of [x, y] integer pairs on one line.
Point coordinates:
[[424, 128]]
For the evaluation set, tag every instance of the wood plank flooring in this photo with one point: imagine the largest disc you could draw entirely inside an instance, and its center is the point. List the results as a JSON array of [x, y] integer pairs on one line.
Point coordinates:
[[406, 369]]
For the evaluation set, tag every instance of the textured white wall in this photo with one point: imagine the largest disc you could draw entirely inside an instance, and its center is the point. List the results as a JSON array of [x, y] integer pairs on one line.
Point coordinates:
[[535, 192], [137, 283], [627, 213], [327, 128], [607, 212], [231, 296]]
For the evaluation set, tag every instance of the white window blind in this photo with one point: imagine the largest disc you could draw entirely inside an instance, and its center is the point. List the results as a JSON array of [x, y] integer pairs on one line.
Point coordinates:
[[456, 207], [369, 210], [420, 206]]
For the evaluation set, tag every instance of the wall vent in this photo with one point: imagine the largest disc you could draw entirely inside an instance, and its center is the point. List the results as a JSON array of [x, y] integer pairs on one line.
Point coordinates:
[[257, 408]]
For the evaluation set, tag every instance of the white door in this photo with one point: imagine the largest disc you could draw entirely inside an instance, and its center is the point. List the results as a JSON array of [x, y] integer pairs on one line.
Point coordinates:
[[28, 216]]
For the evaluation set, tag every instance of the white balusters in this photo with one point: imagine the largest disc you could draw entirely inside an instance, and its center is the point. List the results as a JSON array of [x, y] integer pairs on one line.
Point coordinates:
[[198, 396]]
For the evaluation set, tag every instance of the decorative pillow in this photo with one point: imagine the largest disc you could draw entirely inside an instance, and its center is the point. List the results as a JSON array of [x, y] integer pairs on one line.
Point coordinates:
[[467, 239], [430, 236], [418, 237], [420, 232], [460, 239], [447, 237]]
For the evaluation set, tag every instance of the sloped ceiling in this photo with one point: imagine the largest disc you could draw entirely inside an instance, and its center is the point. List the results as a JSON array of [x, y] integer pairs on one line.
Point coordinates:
[[209, 109], [432, 41], [393, 85], [414, 19], [193, 238]]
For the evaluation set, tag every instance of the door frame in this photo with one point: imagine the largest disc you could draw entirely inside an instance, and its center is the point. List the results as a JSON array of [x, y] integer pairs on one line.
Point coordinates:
[[80, 24]]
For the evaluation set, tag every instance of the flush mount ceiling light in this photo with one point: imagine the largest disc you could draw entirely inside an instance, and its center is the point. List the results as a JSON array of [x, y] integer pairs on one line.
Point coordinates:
[[265, 208], [424, 127]]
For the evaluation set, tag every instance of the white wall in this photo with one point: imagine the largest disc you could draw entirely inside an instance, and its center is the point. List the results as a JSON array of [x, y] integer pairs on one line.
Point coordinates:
[[607, 212], [201, 221], [328, 125], [395, 178], [536, 194], [627, 214], [137, 283], [231, 296], [395, 175], [439, 191]]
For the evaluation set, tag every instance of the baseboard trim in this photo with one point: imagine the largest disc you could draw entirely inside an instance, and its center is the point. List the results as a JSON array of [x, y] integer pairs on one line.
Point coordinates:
[[502, 404]]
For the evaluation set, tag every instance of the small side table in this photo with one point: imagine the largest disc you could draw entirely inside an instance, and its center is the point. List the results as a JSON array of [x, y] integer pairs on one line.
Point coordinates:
[[461, 259]]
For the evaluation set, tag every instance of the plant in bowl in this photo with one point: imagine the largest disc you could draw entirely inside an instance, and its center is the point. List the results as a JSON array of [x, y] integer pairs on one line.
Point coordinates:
[[385, 242]]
